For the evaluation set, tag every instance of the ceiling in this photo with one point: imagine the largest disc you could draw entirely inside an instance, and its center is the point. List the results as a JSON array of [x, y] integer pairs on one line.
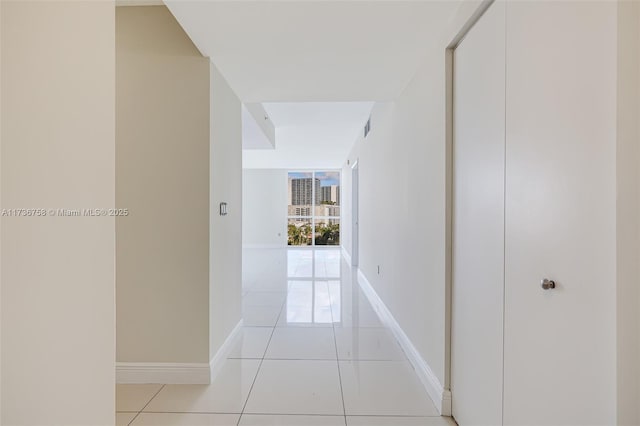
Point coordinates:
[[316, 66], [315, 135], [314, 50]]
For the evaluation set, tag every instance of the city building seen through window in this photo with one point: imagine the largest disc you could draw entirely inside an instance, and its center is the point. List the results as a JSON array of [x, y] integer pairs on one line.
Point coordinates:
[[313, 210]]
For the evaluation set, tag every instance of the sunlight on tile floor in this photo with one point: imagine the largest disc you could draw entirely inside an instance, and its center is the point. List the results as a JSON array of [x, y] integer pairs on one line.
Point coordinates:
[[312, 352]]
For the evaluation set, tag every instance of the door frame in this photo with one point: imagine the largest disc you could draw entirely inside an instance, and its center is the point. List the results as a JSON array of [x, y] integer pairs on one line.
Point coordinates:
[[449, 195], [355, 213]]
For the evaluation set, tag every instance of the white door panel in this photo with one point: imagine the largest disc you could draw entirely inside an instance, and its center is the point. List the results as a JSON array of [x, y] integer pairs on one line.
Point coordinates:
[[478, 223], [560, 220]]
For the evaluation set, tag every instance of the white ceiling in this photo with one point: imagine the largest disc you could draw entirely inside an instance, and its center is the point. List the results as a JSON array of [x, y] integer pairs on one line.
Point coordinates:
[[314, 50], [318, 114], [312, 64], [315, 135]]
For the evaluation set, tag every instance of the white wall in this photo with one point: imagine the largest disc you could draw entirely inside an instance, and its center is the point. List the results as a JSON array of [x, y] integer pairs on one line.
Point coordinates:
[[58, 136], [162, 151], [225, 244], [402, 209], [404, 157], [257, 124], [264, 207]]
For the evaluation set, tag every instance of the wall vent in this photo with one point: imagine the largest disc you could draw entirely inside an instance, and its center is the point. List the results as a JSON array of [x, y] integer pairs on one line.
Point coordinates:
[[367, 127]]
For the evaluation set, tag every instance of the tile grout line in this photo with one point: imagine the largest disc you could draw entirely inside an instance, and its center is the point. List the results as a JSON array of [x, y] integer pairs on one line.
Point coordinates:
[[337, 357], [404, 416], [260, 365], [145, 405], [334, 327], [335, 343]]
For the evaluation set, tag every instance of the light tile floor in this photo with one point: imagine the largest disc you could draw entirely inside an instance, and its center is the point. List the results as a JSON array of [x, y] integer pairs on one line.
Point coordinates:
[[312, 352]]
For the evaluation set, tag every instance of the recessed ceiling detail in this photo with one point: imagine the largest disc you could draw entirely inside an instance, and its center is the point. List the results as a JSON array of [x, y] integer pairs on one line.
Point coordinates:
[[312, 135]]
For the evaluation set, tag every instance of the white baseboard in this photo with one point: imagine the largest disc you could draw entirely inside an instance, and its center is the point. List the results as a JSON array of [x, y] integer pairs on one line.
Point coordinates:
[[222, 354], [446, 409], [346, 256], [440, 396], [162, 372], [176, 373]]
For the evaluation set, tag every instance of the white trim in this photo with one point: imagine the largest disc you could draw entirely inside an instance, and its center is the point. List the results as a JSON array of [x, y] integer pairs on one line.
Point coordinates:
[[176, 373], [446, 409], [221, 356], [162, 373], [355, 213], [264, 246], [440, 396], [346, 255]]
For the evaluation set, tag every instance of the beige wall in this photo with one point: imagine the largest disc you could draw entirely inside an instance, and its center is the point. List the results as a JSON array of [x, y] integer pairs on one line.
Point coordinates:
[[226, 231], [628, 214], [1, 206], [57, 272], [162, 177]]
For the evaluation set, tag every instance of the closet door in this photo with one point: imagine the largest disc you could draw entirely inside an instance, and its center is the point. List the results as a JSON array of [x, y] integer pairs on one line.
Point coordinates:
[[478, 222], [560, 213]]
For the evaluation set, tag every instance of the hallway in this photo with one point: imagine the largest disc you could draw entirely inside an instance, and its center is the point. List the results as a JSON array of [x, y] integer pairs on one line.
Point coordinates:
[[312, 351], [489, 194]]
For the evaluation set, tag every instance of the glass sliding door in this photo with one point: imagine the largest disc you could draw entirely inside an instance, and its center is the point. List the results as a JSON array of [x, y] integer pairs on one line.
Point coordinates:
[[300, 231], [301, 193], [327, 212], [313, 211]]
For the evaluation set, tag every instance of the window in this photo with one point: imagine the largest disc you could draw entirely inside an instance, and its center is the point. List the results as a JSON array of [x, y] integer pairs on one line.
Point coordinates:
[[314, 208]]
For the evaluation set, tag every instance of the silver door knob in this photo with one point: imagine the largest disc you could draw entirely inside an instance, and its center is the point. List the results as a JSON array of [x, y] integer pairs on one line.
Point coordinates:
[[548, 284]]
